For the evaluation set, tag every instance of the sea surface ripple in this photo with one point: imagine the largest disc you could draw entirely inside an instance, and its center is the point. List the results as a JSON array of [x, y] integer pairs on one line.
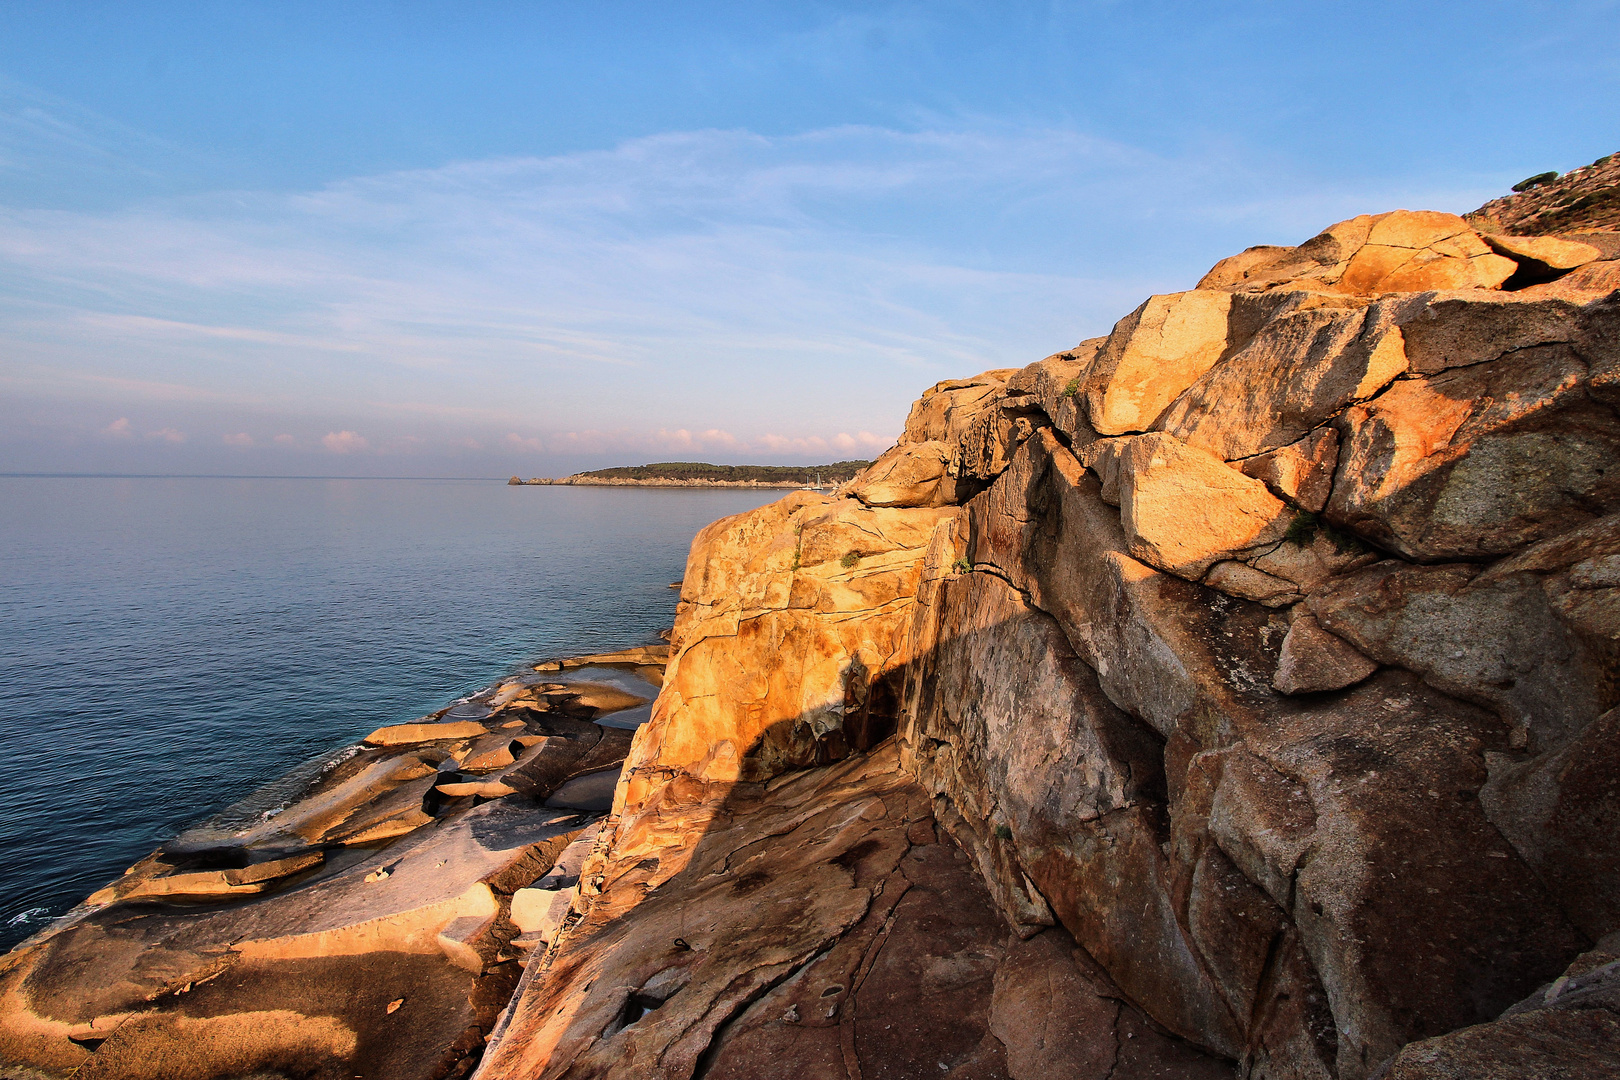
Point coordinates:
[[170, 644]]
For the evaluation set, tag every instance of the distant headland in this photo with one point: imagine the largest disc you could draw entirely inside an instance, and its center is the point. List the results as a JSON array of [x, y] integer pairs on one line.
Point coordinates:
[[703, 475]]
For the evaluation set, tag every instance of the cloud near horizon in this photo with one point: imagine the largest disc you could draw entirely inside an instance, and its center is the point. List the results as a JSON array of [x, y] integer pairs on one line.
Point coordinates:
[[716, 292], [344, 442]]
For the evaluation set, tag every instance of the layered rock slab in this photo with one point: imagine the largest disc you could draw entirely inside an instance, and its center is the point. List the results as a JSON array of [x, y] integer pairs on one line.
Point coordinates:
[[816, 926]]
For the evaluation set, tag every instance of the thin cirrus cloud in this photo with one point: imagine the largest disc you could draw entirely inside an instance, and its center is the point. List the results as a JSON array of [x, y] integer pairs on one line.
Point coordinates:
[[708, 292]]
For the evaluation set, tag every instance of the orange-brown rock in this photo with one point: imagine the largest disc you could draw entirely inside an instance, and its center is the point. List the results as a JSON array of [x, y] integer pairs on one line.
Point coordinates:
[[1184, 509], [1299, 371], [911, 474], [946, 410], [1401, 251], [792, 623], [1543, 254], [404, 734], [1409, 251], [1154, 354]]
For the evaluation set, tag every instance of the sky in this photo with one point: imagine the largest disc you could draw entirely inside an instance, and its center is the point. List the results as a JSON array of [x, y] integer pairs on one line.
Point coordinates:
[[484, 238]]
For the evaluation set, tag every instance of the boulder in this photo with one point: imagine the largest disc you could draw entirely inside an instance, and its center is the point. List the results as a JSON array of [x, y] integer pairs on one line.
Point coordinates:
[[1460, 329], [1184, 509], [1240, 579], [1300, 472], [946, 409], [911, 474], [1313, 660], [1401, 251], [786, 646], [1154, 354], [1102, 457], [1542, 255], [1299, 371], [1413, 251], [1480, 460]]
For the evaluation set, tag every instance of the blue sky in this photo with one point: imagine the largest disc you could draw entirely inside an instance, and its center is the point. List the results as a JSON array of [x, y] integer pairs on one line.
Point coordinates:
[[487, 238]]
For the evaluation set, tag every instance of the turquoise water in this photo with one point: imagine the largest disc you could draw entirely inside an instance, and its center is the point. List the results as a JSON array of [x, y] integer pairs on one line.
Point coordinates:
[[172, 643]]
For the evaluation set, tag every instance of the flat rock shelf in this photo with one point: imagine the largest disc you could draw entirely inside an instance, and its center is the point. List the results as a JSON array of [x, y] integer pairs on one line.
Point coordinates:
[[368, 915]]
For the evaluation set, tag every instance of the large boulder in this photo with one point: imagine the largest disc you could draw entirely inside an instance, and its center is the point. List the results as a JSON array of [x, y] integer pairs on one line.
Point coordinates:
[[1300, 370], [1401, 251], [1154, 353], [946, 409], [1480, 460], [1184, 509], [911, 474]]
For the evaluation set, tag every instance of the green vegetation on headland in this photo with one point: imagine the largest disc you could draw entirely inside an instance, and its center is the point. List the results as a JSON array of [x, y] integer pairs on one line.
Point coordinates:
[[698, 472]]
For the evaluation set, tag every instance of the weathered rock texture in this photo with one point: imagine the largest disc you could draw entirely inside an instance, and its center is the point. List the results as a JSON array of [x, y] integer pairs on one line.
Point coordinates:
[[1260, 660]]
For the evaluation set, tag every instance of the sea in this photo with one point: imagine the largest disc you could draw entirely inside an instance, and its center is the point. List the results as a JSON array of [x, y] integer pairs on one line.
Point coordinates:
[[168, 645]]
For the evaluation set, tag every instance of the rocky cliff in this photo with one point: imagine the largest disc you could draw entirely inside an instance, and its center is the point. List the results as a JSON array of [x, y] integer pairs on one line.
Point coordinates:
[[1234, 693]]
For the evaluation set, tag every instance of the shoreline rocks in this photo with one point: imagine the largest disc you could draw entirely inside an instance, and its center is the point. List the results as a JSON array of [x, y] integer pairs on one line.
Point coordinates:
[[365, 928]]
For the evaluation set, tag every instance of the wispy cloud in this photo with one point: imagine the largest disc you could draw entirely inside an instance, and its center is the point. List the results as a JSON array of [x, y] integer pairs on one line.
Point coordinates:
[[714, 292]]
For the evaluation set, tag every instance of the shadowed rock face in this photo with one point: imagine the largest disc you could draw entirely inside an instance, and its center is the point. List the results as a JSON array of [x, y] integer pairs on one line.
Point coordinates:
[[1259, 660], [816, 926]]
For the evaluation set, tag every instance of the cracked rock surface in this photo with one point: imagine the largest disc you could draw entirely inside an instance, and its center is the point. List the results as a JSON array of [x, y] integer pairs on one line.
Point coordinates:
[[818, 926]]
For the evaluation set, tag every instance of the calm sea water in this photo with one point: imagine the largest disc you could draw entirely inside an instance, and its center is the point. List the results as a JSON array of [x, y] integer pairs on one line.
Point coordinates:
[[171, 644]]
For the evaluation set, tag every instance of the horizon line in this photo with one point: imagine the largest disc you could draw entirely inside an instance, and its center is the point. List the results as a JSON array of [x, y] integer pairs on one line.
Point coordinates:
[[220, 476]]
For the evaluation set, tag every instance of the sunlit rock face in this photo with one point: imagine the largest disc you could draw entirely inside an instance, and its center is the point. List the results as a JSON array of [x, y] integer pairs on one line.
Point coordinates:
[[1256, 666]]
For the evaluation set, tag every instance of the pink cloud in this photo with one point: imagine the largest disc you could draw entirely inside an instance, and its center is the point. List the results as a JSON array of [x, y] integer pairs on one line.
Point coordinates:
[[118, 429], [241, 438], [344, 442], [514, 441], [168, 435]]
